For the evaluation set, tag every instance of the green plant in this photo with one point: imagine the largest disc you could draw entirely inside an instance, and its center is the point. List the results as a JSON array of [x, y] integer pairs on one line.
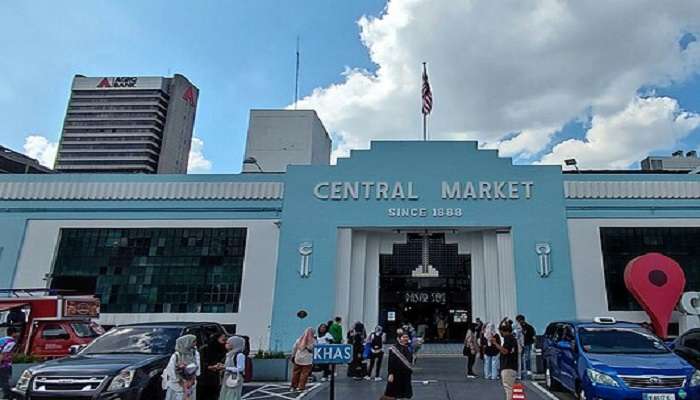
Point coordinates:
[[21, 358], [269, 355]]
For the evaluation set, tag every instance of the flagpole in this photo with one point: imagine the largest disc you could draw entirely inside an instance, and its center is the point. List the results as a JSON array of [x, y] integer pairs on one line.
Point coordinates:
[[425, 123]]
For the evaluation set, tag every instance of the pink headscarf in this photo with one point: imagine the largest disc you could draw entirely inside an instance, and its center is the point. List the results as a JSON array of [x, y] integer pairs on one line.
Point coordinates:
[[307, 339]]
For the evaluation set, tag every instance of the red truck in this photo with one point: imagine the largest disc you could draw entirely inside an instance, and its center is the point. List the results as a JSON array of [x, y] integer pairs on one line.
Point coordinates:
[[50, 324]]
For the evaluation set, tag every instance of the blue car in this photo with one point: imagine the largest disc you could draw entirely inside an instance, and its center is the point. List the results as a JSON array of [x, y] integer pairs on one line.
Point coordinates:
[[606, 359]]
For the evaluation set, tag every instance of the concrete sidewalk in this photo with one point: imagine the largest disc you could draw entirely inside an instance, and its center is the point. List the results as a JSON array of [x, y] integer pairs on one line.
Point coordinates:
[[435, 378]]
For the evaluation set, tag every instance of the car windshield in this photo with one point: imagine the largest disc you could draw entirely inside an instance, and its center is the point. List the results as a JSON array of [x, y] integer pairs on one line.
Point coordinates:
[[85, 330], [136, 340], [620, 341]]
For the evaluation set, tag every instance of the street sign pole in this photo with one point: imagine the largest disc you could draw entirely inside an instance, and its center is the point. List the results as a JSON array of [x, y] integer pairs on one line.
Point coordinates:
[[332, 396]]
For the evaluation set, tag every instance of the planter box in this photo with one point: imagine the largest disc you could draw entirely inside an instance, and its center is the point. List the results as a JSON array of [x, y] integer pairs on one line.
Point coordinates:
[[271, 370], [17, 370]]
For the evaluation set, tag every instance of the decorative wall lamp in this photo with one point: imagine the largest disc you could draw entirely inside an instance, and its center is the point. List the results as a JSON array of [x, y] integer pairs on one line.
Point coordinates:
[[305, 250], [544, 267]]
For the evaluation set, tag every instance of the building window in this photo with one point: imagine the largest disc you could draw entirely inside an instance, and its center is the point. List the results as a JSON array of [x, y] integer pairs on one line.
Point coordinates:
[[155, 270], [621, 245]]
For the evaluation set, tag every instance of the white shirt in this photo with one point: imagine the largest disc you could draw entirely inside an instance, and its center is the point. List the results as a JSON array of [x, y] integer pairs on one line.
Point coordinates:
[[325, 339], [170, 381]]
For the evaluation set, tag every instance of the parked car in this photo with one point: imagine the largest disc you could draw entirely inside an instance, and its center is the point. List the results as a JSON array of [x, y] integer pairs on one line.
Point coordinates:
[[125, 363], [606, 359], [687, 346]]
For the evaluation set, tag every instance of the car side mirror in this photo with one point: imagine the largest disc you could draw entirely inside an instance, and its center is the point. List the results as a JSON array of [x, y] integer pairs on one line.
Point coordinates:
[[75, 349]]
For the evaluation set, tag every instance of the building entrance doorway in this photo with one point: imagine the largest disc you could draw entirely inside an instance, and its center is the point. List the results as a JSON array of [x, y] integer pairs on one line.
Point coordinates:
[[426, 283]]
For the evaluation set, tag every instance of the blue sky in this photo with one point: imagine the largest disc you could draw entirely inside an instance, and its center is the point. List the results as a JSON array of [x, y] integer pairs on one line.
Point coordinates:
[[240, 54], [596, 87]]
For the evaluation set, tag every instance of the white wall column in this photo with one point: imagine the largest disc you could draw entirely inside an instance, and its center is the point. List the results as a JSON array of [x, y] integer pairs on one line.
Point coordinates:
[[342, 273], [506, 273], [491, 278], [357, 277]]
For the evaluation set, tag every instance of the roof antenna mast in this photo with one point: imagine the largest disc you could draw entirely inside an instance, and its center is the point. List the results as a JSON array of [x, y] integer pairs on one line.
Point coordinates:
[[296, 78]]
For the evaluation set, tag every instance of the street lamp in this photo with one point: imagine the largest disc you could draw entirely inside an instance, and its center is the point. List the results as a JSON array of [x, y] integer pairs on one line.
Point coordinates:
[[254, 161], [572, 162]]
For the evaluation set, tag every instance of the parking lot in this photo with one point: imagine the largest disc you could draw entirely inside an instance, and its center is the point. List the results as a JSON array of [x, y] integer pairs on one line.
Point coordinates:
[[435, 378]]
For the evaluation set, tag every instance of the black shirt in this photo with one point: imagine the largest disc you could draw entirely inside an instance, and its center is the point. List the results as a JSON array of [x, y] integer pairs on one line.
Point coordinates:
[[528, 334], [510, 360]]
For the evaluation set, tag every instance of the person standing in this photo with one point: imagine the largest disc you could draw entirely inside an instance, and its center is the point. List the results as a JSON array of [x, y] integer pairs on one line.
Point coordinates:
[[180, 375], [491, 353], [478, 326], [400, 369], [336, 330], [509, 359], [303, 357], [213, 358], [324, 337], [234, 368], [7, 345], [529, 334], [376, 352], [441, 327], [356, 337], [471, 349]]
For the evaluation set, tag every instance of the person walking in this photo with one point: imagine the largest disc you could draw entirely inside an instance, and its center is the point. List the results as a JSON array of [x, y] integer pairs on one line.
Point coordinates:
[[303, 357], [180, 375], [324, 337], [471, 349], [491, 353], [336, 330], [400, 369], [356, 337], [7, 346], [234, 368], [213, 358], [529, 334], [376, 352], [509, 359]]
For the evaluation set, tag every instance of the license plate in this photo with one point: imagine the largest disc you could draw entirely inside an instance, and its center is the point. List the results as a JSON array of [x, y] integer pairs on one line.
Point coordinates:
[[659, 396]]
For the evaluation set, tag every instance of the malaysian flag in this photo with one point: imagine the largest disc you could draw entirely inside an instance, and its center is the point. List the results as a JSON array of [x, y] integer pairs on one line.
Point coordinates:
[[427, 94]]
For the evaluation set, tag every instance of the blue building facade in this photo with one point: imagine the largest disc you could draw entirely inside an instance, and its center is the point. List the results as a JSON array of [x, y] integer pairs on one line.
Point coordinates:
[[319, 238]]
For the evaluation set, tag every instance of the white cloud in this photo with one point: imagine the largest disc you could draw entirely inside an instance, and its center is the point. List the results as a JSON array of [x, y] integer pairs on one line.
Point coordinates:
[[618, 140], [197, 161], [513, 71], [41, 148]]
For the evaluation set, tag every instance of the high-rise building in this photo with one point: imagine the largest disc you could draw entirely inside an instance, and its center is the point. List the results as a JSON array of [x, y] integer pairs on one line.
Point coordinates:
[[279, 138], [128, 125], [12, 162]]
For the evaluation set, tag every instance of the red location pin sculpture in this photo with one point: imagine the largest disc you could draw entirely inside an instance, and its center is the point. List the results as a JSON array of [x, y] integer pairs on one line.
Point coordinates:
[[657, 283]]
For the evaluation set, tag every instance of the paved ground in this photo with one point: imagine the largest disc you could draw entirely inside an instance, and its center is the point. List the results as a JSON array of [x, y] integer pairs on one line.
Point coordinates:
[[435, 378]]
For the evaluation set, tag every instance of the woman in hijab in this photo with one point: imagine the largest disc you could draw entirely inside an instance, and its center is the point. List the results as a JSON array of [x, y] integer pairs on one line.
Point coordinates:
[[213, 357], [376, 352], [400, 370], [491, 352], [234, 368], [356, 337], [180, 375], [471, 350], [303, 358]]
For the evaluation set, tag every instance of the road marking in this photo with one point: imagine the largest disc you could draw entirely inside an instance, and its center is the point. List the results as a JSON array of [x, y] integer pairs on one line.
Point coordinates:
[[544, 391], [264, 392]]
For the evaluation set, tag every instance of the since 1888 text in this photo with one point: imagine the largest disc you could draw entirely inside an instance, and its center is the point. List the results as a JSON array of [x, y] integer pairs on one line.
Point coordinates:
[[417, 212]]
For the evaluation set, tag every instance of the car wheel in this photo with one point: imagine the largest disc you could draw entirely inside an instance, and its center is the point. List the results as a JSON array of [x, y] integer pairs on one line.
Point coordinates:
[[549, 381]]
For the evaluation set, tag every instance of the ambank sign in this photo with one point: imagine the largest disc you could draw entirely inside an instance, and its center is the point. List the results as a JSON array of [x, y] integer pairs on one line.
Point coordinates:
[[469, 190]]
